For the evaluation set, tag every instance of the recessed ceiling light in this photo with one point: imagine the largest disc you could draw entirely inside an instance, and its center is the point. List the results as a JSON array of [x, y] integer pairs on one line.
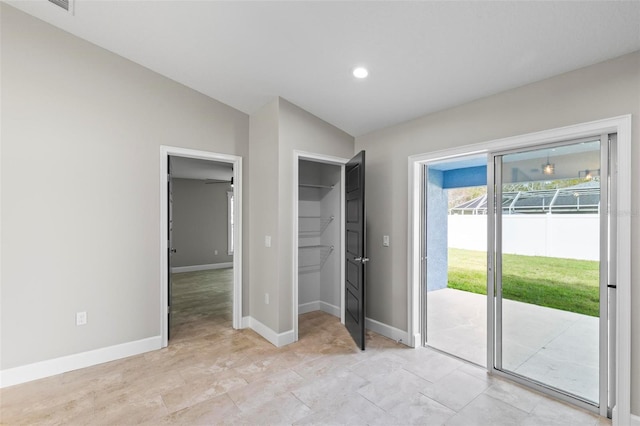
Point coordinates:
[[360, 72]]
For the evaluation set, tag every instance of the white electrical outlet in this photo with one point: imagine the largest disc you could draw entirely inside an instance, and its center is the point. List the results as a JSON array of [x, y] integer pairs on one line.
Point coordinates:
[[267, 240], [266, 298], [81, 318], [385, 241], [215, 252]]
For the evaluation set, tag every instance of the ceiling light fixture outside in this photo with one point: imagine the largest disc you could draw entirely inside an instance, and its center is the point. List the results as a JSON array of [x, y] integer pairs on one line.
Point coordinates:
[[360, 72], [548, 168]]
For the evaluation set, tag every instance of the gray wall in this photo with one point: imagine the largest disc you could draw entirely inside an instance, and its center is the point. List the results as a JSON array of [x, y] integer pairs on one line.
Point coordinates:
[[81, 134], [200, 223], [263, 177], [600, 91], [277, 130]]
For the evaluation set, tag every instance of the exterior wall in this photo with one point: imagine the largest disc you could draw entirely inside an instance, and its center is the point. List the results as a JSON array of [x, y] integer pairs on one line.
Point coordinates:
[[565, 236], [437, 256]]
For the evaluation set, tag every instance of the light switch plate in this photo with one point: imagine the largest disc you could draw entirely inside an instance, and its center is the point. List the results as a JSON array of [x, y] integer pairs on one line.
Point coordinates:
[[385, 241]]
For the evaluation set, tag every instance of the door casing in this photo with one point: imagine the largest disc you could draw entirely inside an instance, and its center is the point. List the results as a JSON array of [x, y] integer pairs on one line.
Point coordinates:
[[620, 125], [297, 156], [236, 161]]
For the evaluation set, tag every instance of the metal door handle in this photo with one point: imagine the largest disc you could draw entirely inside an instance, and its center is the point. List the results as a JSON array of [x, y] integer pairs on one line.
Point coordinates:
[[173, 250], [361, 259]]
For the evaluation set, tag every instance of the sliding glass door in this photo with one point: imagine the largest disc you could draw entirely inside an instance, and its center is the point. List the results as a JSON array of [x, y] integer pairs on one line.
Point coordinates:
[[548, 268]]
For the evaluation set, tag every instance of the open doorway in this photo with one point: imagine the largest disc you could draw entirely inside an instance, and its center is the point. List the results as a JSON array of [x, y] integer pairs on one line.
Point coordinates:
[[329, 255], [455, 194], [201, 255], [319, 283], [201, 241]]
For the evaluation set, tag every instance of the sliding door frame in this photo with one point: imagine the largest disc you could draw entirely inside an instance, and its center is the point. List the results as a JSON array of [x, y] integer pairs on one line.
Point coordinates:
[[620, 125], [494, 274]]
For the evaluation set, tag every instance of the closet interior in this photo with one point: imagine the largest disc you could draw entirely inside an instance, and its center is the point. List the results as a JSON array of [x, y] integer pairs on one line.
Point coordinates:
[[319, 201]]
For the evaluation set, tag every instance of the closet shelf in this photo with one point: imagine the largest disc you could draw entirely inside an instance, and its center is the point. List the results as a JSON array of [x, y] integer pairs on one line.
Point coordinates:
[[312, 258], [313, 226], [313, 185]]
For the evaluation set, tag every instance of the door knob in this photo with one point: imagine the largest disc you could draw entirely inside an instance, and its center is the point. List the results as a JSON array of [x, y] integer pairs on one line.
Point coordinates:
[[361, 259], [173, 250]]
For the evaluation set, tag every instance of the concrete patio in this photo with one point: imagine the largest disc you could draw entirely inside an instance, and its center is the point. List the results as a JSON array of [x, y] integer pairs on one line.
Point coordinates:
[[548, 345]]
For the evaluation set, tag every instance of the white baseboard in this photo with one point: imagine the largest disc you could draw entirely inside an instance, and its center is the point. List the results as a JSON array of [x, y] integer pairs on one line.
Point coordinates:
[[319, 305], [635, 420], [51, 367], [417, 340], [246, 322], [194, 268], [276, 339], [385, 330]]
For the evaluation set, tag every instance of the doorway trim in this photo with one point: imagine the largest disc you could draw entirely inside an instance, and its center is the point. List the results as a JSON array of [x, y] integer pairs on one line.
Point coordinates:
[[327, 159], [236, 161], [620, 125]]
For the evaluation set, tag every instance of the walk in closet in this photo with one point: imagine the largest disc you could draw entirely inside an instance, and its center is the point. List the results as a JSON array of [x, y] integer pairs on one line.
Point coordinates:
[[319, 254]]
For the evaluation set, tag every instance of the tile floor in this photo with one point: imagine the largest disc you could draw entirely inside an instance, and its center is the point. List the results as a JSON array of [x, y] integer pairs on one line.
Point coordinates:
[[212, 374], [555, 347]]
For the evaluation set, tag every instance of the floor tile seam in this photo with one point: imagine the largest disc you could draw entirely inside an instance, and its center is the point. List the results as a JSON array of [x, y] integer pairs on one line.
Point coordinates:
[[418, 376], [526, 414], [540, 397], [311, 410], [443, 403], [466, 373], [235, 404], [368, 399], [453, 408]]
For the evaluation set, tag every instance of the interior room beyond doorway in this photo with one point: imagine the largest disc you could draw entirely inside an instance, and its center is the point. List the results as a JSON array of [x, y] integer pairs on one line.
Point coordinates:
[[202, 250]]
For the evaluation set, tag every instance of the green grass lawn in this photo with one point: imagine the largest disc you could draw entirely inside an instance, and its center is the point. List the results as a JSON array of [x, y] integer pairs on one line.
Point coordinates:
[[567, 284]]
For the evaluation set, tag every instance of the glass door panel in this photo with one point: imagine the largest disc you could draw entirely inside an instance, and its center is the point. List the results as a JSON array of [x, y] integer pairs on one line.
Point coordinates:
[[547, 266]]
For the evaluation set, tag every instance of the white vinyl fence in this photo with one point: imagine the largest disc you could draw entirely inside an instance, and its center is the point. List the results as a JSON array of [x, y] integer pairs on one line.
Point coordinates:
[[568, 236]]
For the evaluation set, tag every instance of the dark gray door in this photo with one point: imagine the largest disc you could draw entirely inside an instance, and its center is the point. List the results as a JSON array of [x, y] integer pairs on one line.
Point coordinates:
[[355, 269]]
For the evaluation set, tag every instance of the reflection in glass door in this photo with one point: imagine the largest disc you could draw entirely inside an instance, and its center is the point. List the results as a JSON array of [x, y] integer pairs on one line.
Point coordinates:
[[550, 254]]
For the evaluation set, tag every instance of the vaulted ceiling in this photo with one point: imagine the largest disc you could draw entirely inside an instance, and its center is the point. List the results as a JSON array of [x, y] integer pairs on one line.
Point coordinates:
[[422, 56]]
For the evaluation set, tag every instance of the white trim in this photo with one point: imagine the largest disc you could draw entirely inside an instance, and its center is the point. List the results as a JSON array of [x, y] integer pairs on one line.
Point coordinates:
[[620, 125], [319, 305], [194, 268], [634, 421], [297, 156], [229, 223], [165, 152], [276, 339], [388, 331], [51, 367], [246, 322]]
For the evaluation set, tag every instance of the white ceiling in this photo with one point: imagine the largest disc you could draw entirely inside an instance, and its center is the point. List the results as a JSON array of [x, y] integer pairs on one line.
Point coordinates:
[[422, 56]]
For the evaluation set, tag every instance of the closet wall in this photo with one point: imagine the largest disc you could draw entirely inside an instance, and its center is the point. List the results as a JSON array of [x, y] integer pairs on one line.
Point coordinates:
[[318, 237]]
